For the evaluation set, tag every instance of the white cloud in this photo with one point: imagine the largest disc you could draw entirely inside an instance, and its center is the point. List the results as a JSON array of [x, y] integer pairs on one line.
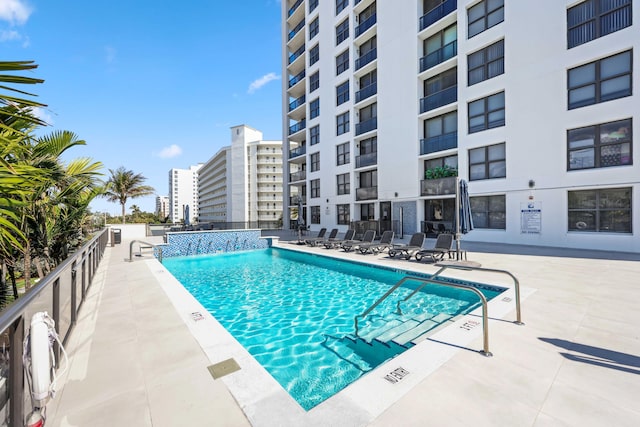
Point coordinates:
[[15, 11], [171, 151], [7, 35], [42, 114], [258, 83]]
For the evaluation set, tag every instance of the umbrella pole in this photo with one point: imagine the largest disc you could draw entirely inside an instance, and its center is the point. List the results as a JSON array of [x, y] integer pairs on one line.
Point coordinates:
[[457, 218]]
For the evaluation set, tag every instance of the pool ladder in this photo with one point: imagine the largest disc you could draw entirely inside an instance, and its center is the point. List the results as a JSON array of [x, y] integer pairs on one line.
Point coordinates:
[[437, 281]]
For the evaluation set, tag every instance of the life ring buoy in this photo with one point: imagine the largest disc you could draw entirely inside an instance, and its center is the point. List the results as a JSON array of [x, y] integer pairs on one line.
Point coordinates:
[[581, 225]]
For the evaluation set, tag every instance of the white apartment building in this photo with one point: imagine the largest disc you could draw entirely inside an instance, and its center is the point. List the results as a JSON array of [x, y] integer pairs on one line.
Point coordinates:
[[242, 182], [534, 103], [183, 194], [163, 206]]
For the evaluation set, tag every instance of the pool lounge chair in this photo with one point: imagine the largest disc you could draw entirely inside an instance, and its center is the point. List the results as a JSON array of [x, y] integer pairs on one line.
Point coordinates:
[[348, 236], [368, 237], [320, 236], [442, 248], [410, 249], [386, 241], [320, 241]]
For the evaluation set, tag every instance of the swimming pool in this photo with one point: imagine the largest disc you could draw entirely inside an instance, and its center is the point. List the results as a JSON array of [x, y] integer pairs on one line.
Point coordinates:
[[294, 313]]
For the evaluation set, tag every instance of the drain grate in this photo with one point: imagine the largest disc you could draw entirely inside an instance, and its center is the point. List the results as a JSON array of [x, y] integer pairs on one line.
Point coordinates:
[[223, 368]]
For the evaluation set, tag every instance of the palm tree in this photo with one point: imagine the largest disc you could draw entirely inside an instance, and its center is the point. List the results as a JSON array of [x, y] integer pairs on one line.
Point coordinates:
[[124, 184]]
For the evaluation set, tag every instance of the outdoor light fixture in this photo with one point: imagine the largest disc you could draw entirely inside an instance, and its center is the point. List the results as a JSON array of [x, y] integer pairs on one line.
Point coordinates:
[[532, 183]]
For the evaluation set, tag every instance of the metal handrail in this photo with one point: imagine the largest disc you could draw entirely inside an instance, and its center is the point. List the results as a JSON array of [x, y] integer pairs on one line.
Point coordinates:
[[146, 243], [485, 312]]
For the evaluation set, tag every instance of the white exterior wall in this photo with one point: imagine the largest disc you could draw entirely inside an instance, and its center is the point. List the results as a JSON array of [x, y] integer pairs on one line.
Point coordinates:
[[183, 191], [537, 117]]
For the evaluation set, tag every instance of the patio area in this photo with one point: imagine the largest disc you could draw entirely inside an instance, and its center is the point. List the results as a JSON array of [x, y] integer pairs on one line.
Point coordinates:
[[135, 359]]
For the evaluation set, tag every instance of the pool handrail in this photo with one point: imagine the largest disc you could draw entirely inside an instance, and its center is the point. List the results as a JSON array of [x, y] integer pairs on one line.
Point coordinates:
[[158, 247]]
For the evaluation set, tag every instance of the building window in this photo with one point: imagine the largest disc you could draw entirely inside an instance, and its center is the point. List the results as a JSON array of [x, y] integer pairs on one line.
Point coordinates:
[[342, 93], [439, 47], [315, 188], [314, 81], [600, 81], [343, 154], [340, 5], [592, 19], [441, 127], [367, 212], [315, 214], [342, 62], [344, 215], [342, 123], [486, 63], [342, 31], [450, 162], [314, 135], [604, 210], [314, 54], [486, 113], [600, 146], [487, 162], [314, 28], [343, 183], [314, 108], [484, 15], [313, 4], [315, 162], [489, 212]]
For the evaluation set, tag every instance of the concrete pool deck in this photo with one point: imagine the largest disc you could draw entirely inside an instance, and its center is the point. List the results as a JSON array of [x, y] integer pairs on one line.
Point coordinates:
[[135, 358]]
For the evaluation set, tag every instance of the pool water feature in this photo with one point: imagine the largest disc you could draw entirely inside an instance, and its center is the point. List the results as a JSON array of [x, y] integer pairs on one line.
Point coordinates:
[[294, 313]]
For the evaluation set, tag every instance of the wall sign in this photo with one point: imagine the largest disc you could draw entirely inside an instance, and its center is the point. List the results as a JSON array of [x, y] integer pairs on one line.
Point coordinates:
[[530, 218]]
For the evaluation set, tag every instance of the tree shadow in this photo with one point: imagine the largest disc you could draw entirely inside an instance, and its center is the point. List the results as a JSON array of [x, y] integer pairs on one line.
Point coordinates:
[[597, 356]]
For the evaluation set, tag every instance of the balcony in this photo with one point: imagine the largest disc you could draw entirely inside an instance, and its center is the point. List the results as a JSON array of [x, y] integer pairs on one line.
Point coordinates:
[[366, 92], [438, 187], [297, 127], [443, 142], [438, 99], [294, 7], [366, 126], [436, 57], [297, 28], [437, 13], [298, 151], [366, 193], [295, 55], [293, 200], [364, 26], [366, 58], [296, 103], [365, 160], [295, 79], [297, 176]]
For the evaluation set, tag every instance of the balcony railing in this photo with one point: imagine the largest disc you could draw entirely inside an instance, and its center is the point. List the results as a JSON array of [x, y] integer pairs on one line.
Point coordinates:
[[299, 151], [298, 102], [438, 56], [294, 7], [368, 159], [295, 55], [366, 58], [438, 187], [443, 142], [438, 99], [295, 30], [293, 200], [366, 92], [297, 127], [367, 193], [295, 79], [297, 176], [366, 24], [367, 125], [437, 13]]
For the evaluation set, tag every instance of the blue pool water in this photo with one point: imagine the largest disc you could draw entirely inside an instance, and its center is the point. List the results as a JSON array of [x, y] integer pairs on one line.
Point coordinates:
[[291, 311]]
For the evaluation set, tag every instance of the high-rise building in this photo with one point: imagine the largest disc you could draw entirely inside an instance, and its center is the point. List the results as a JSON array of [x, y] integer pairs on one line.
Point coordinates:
[[163, 206], [535, 104], [242, 182], [183, 194]]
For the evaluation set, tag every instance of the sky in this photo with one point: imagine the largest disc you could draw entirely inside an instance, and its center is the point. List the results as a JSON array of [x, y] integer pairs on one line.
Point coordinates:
[[149, 84]]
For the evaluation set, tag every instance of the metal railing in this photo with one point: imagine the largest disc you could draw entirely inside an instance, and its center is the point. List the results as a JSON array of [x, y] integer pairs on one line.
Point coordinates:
[[439, 99], [367, 91], [366, 57], [437, 13], [61, 293], [438, 56], [365, 25], [142, 246], [442, 142]]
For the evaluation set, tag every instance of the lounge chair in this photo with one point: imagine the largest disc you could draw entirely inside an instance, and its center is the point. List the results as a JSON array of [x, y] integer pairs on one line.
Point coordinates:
[[410, 249], [321, 240], [348, 236], [368, 237], [442, 247], [320, 235], [386, 241]]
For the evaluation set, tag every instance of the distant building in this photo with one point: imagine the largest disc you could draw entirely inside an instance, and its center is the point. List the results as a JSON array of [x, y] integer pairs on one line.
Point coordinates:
[[183, 193], [242, 182], [163, 206]]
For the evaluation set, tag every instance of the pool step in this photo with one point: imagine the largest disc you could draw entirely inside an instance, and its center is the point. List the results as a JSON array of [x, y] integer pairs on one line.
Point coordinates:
[[402, 329], [375, 352]]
